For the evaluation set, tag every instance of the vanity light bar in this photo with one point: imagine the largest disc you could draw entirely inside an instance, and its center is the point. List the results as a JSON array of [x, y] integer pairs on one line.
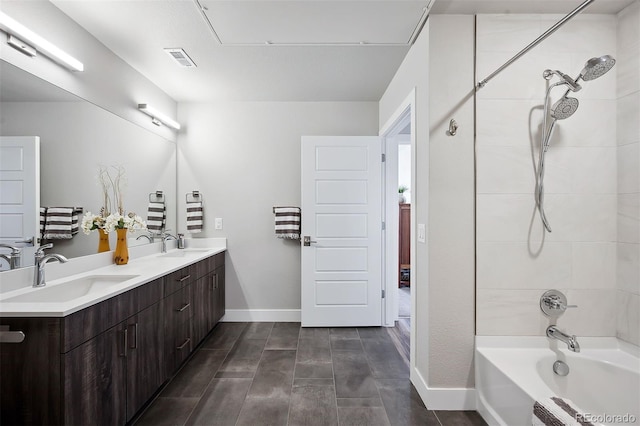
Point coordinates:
[[14, 28], [158, 116]]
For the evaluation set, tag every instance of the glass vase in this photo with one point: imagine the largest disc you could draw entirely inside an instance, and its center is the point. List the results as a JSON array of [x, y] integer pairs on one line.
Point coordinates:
[[121, 253], [103, 242]]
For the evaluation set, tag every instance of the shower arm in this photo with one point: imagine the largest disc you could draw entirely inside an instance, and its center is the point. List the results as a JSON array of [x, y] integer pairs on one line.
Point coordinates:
[[534, 43]]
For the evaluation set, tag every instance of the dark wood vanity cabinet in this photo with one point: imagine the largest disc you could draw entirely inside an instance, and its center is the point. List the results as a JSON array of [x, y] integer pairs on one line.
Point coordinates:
[[102, 364]]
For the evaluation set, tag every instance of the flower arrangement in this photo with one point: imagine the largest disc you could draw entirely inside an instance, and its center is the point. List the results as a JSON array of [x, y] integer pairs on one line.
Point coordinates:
[[131, 222], [91, 222]]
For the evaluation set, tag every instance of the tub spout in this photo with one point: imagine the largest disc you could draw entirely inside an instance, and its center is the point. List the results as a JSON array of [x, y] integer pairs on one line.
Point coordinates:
[[571, 340]]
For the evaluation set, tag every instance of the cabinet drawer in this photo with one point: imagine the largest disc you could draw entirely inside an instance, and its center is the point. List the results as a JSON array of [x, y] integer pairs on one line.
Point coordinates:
[[208, 265], [178, 305], [178, 279]]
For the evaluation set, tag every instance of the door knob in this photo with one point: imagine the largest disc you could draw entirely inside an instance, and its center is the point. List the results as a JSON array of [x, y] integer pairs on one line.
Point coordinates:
[[307, 241]]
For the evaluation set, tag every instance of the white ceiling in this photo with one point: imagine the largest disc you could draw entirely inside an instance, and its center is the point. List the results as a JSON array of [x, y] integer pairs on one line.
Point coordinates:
[[287, 50]]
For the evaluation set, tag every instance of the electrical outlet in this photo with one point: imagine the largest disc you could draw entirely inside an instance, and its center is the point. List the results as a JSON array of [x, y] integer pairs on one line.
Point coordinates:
[[422, 233], [218, 223]]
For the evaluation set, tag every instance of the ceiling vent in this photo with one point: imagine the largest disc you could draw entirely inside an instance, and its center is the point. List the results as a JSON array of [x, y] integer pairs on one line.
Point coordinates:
[[181, 57]]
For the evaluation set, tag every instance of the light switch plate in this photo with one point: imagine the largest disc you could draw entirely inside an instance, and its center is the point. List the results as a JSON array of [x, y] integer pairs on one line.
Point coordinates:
[[422, 233], [218, 223]]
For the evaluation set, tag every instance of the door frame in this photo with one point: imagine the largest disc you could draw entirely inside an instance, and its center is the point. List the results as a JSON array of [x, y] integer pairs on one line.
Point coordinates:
[[404, 114]]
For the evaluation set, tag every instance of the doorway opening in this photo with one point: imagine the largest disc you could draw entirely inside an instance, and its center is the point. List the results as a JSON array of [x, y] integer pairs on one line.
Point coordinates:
[[399, 211]]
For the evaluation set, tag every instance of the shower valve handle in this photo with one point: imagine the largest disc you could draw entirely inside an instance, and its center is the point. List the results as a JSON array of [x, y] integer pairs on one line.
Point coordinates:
[[553, 303]]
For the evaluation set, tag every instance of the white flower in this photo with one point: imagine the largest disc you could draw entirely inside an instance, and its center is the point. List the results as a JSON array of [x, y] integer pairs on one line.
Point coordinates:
[[117, 221], [91, 222]]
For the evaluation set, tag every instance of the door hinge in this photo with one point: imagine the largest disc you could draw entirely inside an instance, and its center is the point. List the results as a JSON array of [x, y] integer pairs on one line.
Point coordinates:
[[384, 157], [384, 226], [383, 294]]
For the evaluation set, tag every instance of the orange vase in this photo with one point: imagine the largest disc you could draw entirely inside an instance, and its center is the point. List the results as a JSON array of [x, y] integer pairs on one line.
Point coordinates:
[[121, 253], [103, 242]]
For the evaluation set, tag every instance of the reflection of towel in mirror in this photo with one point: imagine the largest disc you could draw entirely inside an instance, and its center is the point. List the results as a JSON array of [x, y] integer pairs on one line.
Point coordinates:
[[195, 217], [287, 222], [558, 411], [60, 223], [156, 217]]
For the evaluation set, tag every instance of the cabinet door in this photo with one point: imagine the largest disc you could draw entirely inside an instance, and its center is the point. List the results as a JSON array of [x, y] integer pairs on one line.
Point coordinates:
[[201, 307], [145, 345], [94, 377], [219, 297], [177, 328]]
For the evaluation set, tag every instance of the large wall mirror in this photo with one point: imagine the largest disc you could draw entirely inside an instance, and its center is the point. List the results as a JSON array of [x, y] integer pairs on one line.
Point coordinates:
[[76, 139]]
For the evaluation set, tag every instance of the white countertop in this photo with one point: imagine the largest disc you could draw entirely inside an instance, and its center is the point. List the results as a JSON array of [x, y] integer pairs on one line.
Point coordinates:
[[146, 263]]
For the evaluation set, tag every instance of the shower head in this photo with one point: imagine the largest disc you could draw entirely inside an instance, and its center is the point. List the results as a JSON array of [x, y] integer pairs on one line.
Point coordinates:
[[564, 108], [573, 85], [596, 67]]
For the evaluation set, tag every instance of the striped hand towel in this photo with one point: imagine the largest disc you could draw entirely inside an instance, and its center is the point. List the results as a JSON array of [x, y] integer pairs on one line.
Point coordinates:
[[156, 217], [195, 217], [556, 411], [61, 223], [287, 222], [43, 220]]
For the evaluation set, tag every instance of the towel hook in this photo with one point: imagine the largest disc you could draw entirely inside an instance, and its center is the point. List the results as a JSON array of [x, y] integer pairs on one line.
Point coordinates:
[[453, 127]]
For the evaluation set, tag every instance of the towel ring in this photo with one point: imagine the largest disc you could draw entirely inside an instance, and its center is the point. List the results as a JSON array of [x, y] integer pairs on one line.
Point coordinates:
[[156, 197], [195, 195]]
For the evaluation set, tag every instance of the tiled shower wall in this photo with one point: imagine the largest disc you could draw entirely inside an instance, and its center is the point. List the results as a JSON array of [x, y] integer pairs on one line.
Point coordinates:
[[516, 260], [628, 125]]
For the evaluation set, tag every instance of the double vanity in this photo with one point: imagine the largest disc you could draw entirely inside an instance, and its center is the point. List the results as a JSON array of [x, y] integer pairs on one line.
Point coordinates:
[[97, 342]]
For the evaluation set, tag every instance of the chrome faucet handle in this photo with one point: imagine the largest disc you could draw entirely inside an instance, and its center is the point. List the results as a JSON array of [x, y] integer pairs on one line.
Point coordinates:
[[553, 303], [40, 250], [14, 250]]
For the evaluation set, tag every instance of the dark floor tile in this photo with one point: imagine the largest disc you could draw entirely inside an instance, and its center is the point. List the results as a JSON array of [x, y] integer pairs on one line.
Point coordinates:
[[284, 335], [460, 418], [372, 332], [168, 411], [384, 359], [312, 382], [313, 406], [274, 376], [235, 374], [362, 416], [244, 356], [345, 344], [257, 330], [221, 402], [224, 336], [264, 411], [314, 350], [196, 374], [352, 375], [359, 402], [314, 370], [403, 404], [344, 333], [314, 333]]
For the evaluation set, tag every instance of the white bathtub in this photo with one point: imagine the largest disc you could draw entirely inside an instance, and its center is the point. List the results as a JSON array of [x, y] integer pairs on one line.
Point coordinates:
[[513, 372]]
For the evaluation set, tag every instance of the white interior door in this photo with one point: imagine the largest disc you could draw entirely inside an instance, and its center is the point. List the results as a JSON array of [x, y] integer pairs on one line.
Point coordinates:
[[19, 195], [342, 216]]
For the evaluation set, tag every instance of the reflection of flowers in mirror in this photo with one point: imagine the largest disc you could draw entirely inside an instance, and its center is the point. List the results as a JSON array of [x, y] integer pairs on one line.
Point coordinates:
[[131, 222], [91, 222]]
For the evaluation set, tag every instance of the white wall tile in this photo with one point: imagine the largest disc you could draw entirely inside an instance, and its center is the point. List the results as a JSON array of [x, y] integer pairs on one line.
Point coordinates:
[[508, 122], [585, 32], [629, 218], [506, 217], [521, 266], [592, 170], [593, 266], [591, 125], [594, 316], [628, 308], [510, 313], [505, 169], [628, 124], [628, 168], [586, 218], [627, 66], [506, 33], [628, 267], [629, 26]]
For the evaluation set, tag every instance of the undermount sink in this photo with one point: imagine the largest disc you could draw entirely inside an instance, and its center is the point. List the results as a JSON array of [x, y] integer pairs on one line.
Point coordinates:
[[69, 290], [183, 252]]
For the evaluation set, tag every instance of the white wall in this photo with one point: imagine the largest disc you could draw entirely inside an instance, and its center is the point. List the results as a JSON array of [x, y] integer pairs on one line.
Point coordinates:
[[107, 80], [628, 125], [75, 139], [245, 158], [517, 261], [440, 67]]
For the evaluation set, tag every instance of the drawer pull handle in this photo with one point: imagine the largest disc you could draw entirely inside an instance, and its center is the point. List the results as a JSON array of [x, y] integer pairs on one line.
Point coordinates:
[[11, 336], [186, 342], [186, 277], [184, 307]]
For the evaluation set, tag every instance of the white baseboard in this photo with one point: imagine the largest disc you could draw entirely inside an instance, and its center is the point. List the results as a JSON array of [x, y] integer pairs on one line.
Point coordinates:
[[261, 315], [443, 398]]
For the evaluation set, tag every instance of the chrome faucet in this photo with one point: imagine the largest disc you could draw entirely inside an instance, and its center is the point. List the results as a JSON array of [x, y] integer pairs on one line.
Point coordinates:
[[149, 237], [571, 340], [165, 237], [13, 258], [40, 260]]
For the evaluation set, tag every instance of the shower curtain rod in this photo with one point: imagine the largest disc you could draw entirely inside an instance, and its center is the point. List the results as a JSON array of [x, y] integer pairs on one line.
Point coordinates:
[[534, 43]]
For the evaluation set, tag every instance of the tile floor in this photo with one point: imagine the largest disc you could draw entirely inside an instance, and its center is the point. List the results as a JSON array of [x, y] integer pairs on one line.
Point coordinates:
[[281, 374]]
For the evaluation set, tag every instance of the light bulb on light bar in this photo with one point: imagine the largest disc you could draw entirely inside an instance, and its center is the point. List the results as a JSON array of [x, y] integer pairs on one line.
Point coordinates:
[[157, 115], [13, 27]]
